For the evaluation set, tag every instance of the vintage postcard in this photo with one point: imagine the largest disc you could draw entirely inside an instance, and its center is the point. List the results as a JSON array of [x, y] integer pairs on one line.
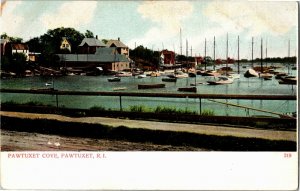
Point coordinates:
[[149, 95]]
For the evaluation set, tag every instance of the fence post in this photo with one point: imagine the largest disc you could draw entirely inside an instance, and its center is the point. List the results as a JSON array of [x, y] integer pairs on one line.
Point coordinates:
[[121, 103], [200, 109], [56, 101]]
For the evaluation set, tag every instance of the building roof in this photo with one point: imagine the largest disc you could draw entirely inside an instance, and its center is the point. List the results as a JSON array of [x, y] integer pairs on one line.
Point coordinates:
[[19, 46], [102, 55], [116, 43], [92, 42], [65, 39]]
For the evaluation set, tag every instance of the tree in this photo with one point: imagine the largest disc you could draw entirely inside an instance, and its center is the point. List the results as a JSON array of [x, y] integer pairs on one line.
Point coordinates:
[[89, 34], [104, 41], [18, 63], [11, 39], [35, 45], [52, 39]]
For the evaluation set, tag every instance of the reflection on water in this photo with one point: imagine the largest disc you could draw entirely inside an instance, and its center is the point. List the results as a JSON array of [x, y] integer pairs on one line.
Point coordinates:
[[253, 86]]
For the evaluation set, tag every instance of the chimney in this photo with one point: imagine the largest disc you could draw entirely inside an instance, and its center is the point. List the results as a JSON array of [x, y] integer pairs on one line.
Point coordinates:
[[118, 38], [96, 36]]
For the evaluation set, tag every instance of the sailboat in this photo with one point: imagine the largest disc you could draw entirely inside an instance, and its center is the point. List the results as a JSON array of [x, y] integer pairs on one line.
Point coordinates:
[[290, 80], [251, 72], [213, 73], [263, 74], [232, 75]]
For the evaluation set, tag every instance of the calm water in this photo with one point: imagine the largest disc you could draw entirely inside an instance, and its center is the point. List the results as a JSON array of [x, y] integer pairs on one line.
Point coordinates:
[[254, 86]]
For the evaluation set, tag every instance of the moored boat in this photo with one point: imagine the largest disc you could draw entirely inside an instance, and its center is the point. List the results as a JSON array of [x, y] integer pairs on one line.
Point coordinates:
[[266, 76], [154, 74], [169, 79], [288, 80], [250, 73], [119, 88], [123, 74], [142, 76], [222, 80], [114, 79], [180, 74], [187, 89], [151, 86]]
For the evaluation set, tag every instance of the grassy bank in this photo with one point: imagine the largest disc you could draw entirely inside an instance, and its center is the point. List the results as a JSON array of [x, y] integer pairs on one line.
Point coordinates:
[[166, 114], [98, 131]]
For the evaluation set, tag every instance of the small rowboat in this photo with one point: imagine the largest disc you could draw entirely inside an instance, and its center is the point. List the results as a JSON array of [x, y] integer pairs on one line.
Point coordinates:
[[150, 86], [114, 79]]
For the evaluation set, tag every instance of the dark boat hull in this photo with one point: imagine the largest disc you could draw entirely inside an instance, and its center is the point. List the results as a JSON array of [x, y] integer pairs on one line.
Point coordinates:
[[189, 89], [151, 86]]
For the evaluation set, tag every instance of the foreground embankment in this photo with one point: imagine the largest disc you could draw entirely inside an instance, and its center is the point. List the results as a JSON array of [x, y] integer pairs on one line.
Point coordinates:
[[207, 137]]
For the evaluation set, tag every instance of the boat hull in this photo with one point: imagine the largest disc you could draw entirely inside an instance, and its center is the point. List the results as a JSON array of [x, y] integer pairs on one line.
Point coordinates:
[[151, 86]]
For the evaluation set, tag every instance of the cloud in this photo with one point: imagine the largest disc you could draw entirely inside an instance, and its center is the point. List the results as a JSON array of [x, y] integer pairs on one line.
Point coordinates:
[[70, 14], [10, 22], [256, 17], [167, 17], [165, 13]]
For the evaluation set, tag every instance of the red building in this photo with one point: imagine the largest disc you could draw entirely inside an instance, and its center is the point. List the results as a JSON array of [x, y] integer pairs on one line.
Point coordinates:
[[168, 57]]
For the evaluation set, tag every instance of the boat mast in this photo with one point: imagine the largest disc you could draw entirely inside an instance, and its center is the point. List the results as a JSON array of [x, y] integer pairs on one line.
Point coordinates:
[[187, 49], [266, 52], [261, 55], [226, 54], [289, 57], [252, 54], [205, 54], [214, 53], [238, 54], [180, 43]]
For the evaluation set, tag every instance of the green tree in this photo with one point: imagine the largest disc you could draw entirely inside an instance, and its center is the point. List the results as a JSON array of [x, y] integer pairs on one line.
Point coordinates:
[[11, 39], [89, 34], [18, 63], [52, 39]]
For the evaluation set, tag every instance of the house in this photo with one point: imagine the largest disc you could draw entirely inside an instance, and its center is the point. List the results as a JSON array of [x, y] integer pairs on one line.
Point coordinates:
[[89, 45], [11, 48], [168, 57], [106, 57], [120, 46], [65, 44], [33, 56]]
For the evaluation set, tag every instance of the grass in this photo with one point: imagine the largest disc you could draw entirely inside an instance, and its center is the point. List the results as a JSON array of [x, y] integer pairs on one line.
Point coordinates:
[[134, 108], [207, 112]]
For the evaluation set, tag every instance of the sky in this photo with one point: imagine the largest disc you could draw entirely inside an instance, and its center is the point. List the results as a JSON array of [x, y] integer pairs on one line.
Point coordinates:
[[156, 24]]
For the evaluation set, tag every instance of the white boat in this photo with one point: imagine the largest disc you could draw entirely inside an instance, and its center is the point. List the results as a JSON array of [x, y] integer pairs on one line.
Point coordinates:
[[142, 76], [265, 76], [119, 88], [114, 79], [48, 84], [211, 73], [155, 74], [180, 74], [234, 76], [251, 73], [221, 81], [123, 74]]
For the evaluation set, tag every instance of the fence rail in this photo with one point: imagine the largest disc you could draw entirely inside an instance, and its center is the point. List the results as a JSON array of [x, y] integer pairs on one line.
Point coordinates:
[[144, 94]]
